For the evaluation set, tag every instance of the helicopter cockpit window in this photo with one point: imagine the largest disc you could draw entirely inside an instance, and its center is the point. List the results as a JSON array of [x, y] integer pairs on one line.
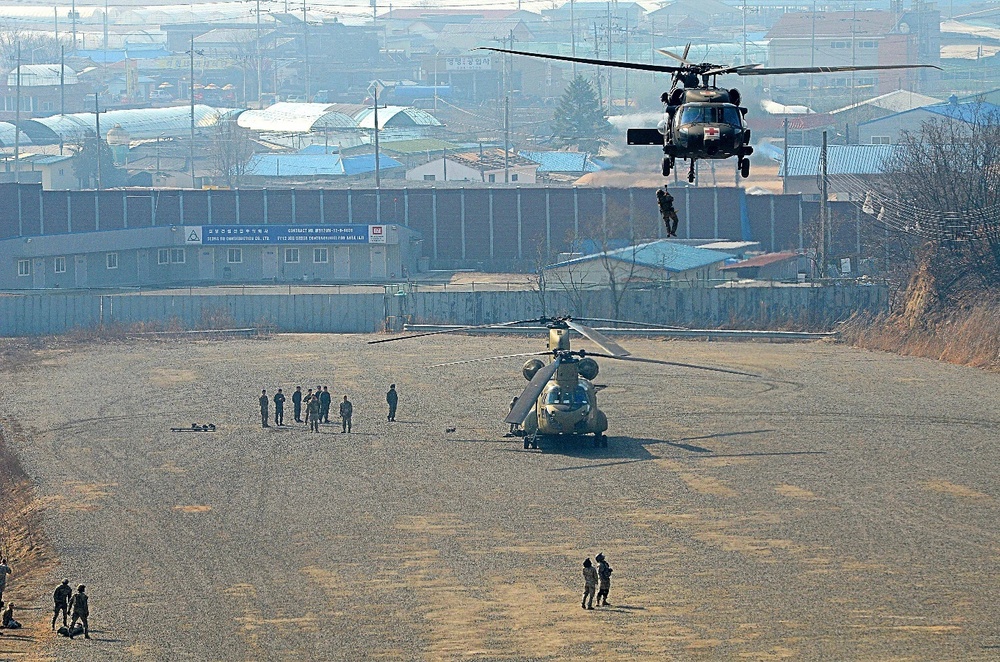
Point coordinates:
[[572, 398], [710, 114], [731, 115], [693, 114]]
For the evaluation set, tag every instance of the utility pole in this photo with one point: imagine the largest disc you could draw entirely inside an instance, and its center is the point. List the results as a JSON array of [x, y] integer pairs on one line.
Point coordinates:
[[191, 90], [62, 81], [506, 139], [572, 29], [97, 123], [55, 15], [378, 176], [17, 120], [305, 47], [105, 33], [260, 83], [72, 12], [784, 162], [744, 32], [610, 93], [823, 211], [626, 59], [812, 54]]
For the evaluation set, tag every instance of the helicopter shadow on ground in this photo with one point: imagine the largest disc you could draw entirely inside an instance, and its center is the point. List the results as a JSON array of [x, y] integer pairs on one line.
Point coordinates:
[[625, 450]]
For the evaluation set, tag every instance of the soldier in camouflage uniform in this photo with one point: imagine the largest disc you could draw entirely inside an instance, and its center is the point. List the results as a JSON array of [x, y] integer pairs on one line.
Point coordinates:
[[589, 584], [604, 575]]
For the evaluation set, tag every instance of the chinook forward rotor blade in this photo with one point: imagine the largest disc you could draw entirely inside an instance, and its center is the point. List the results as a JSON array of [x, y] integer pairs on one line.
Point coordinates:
[[599, 339], [530, 394], [758, 70], [490, 358], [455, 330], [676, 363], [584, 60]]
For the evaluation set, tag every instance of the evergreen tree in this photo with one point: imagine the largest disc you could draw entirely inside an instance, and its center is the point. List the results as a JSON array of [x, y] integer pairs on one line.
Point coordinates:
[[85, 164], [579, 119]]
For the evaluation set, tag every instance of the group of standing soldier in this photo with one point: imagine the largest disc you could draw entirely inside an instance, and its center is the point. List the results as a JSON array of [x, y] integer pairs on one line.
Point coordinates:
[[317, 407]]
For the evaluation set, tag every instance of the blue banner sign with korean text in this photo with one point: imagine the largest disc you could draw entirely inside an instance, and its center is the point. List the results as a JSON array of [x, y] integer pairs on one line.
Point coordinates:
[[351, 233]]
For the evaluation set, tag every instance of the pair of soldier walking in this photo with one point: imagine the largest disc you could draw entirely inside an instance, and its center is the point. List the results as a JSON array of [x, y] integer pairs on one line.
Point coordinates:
[[77, 604], [596, 580]]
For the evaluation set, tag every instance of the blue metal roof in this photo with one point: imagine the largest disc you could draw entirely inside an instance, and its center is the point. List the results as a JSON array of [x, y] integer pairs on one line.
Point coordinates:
[[965, 111], [294, 165], [319, 149], [662, 254], [569, 162], [803, 161], [362, 163]]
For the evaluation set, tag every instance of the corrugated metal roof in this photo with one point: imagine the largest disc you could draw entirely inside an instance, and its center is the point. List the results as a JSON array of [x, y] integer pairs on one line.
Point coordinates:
[[556, 161], [662, 254], [896, 101], [966, 112], [419, 145], [295, 165], [288, 117], [803, 161], [362, 163], [138, 122], [7, 135], [38, 75]]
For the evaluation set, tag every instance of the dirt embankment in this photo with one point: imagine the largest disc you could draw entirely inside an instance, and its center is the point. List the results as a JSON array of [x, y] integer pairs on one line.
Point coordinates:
[[969, 337], [22, 541]]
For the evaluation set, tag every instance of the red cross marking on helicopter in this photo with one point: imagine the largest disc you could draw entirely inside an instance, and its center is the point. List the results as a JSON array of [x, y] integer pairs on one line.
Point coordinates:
[[711, 132]]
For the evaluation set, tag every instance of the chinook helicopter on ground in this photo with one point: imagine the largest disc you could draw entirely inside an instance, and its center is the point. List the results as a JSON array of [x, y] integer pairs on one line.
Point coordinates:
[[561, 398], [702, 120]]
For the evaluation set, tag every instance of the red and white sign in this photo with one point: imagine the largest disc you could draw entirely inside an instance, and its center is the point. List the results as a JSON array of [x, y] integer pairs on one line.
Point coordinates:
[[376, 234], [711, 133]]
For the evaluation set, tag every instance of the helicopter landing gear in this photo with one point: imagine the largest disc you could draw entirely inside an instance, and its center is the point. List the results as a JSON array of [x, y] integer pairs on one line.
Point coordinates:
[[667, 166], [600, 440], [744, 165], [691, 172], [531, 441]]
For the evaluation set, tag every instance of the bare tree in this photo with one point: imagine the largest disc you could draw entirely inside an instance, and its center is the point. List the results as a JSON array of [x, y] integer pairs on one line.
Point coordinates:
[[232, 149], [939, 209]]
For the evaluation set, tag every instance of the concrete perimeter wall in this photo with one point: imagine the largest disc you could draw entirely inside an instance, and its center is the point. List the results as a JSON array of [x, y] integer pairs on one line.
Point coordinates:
[[810, 307]]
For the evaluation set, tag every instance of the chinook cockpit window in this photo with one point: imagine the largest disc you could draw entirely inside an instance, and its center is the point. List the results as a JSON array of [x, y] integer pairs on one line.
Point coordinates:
[[571, 397]]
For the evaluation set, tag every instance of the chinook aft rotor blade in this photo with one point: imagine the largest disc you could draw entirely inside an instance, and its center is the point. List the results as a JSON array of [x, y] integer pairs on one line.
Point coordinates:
[[455, 330], [599, 339], [490, 358], [584, 60], [676, 363], [530, 394], [757, 70]]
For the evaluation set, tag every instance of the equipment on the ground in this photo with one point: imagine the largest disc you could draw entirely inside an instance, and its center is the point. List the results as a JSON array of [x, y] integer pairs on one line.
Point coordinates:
[[561, 397], [196, 427], [701, 120]]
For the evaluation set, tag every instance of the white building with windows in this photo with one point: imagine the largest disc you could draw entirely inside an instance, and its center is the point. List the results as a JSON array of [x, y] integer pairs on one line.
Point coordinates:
[[487, 167]]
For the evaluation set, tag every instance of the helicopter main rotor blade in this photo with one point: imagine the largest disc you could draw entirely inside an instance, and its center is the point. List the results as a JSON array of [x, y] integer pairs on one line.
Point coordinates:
[[646, 324], [584, 60], [687, 49], [675, 363], [530, 394], [499, 325], [599, 339], [679, 58], [757, 70], [490, 358]]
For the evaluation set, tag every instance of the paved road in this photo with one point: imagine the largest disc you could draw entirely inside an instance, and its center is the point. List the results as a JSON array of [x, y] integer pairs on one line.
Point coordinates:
[[843, 507]]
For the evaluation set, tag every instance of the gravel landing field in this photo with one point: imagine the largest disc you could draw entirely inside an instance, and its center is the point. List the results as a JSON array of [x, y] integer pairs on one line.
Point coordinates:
[[842, 507]]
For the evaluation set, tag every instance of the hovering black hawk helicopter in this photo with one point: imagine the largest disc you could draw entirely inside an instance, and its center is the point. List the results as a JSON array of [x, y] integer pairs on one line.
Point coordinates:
[[702, 120], [561, 398]]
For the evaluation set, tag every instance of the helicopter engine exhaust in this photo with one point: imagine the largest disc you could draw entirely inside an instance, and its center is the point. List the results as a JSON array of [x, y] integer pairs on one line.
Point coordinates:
[[588, 368], [531, 367]]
